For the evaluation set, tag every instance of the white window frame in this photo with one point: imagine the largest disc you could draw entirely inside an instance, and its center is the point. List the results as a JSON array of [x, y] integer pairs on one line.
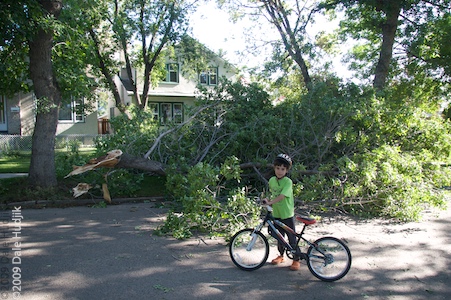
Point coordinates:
[[174, 112], [155, 109], [171, 70], [74, 115], [209, 77]]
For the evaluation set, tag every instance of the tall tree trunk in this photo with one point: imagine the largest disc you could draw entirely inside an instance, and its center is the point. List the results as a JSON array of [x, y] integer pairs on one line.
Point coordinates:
[[392, 9], [48, 98], [280, 18], [106, 72]]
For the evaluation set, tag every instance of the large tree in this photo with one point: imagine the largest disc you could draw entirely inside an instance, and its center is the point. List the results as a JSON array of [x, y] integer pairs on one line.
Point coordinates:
[[28, 31], [66, 44], [396, 37], [133, 35], [36, 45]]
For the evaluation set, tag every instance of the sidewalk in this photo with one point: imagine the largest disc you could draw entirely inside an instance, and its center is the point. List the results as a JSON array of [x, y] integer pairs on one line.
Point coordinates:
[[110, 253], [12, 175]]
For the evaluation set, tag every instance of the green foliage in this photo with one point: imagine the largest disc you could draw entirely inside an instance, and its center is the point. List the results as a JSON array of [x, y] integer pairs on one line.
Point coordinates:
[[17, 28], [353, 150], [124, 183], [230, 169], [133, 134], [395, 158], [200, 208], [391, 183], [64, 162]]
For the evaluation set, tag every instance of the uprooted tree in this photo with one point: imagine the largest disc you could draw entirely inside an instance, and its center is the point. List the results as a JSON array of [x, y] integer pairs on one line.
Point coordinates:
[[352, 150]]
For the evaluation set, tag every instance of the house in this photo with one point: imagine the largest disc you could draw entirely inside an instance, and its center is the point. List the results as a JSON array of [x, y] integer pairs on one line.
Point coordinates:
[[17, 117], [166, 101]]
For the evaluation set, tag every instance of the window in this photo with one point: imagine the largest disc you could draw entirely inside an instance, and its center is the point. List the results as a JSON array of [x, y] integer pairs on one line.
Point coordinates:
[[172, 73], [177, 113], [154, 108], [209, 77], [167, 112], [72, 112]]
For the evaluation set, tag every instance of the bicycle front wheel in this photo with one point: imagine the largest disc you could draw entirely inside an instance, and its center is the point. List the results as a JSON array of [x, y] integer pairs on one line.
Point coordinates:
[[329, 259], [249, 250]]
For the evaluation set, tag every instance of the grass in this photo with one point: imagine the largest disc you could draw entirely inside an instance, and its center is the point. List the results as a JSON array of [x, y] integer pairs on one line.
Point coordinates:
[[17, 163], [16, 189]]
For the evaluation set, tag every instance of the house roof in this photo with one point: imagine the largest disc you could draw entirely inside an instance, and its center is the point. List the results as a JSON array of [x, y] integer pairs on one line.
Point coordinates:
[[127, 84], [167, 94]]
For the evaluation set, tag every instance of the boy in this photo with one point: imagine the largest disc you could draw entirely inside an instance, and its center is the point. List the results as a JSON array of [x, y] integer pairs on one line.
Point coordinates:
[[282, 202]]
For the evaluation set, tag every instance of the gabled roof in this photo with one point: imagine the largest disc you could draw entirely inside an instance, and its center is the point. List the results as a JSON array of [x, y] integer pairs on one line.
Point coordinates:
[[127, 84]]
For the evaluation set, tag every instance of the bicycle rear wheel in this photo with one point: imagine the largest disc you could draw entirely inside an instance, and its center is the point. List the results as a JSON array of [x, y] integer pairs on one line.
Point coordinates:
[[248, 250], [329, 259]]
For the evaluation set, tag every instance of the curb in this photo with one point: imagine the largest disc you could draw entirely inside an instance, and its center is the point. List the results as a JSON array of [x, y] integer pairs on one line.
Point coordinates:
[[38, 204]]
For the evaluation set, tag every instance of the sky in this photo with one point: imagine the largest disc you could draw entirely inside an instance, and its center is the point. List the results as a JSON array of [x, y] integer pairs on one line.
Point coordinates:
[[211, 27]]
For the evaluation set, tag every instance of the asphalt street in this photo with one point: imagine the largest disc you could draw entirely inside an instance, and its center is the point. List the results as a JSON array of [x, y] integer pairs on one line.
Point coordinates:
[[110, 253]]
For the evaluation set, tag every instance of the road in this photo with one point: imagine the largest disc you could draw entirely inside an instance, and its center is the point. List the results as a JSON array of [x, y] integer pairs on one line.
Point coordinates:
[[110, 253]]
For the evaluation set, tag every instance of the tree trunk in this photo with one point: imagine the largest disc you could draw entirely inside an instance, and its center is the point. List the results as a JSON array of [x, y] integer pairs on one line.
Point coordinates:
[[392, 10], [140, 163], [280, 18], [48, 98], [106, 73]]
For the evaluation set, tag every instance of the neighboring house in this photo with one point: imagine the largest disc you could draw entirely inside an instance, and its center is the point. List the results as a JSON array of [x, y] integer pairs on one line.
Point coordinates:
[[17, 117], [166, 101]]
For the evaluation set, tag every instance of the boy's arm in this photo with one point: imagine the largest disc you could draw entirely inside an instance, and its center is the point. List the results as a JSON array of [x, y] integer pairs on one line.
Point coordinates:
[[275, 200]]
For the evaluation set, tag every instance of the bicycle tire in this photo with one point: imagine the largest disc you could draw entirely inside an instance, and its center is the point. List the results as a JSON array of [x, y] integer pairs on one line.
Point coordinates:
[[248, 259], [329, 259]]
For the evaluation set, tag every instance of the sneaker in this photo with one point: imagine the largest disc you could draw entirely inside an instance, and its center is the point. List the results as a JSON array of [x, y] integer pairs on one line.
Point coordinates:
[[279, 259], [295, 266]]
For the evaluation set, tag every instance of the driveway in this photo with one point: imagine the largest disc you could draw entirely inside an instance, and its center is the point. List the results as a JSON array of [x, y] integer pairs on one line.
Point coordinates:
[[110, 253]]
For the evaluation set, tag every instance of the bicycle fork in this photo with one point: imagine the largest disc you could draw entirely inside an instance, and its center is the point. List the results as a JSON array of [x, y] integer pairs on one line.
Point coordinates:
[[254, 237]]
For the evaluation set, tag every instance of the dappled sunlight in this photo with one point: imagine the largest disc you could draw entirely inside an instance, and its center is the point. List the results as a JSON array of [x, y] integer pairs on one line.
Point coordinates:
[[84, 253], [94, 236]]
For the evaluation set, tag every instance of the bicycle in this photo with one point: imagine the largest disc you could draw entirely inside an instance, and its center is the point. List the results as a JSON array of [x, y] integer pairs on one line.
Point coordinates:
[[328, 258]]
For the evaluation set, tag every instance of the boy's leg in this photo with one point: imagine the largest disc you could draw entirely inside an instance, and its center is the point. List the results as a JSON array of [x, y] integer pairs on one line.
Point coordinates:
[[291, 237], [296, 265], [281, 248]]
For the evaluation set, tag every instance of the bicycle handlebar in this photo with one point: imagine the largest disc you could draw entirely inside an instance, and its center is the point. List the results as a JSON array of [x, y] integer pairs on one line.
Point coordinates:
[[268, 207]]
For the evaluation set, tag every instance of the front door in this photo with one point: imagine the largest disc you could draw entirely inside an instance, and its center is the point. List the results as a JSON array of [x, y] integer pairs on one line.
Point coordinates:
[[3, 125]]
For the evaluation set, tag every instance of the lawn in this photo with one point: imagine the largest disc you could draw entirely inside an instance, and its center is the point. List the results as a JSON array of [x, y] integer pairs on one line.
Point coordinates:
[[19, 163], [15, 189]]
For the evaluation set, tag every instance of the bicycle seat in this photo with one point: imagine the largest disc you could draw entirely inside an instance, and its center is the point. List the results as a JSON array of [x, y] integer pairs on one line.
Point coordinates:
[[306, 221]]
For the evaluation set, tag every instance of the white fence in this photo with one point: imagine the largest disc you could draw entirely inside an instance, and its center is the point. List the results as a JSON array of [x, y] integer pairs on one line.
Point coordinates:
[[23, 143]]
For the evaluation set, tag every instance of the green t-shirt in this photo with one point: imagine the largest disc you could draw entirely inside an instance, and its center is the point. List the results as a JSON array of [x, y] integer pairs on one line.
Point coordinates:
[[283, 209]]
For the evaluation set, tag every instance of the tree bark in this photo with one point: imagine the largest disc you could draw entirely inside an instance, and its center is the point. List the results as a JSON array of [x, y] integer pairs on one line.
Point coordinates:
[[141, 163], [392, 10], [106, 73], [280, 18], [48, 99]]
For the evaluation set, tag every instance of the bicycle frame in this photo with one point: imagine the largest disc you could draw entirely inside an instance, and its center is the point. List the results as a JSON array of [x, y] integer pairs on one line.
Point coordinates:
[[327, 258], [271, 221]]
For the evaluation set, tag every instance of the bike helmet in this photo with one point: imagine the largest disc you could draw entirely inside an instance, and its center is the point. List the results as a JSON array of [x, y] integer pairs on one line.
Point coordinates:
[[283, 159]]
